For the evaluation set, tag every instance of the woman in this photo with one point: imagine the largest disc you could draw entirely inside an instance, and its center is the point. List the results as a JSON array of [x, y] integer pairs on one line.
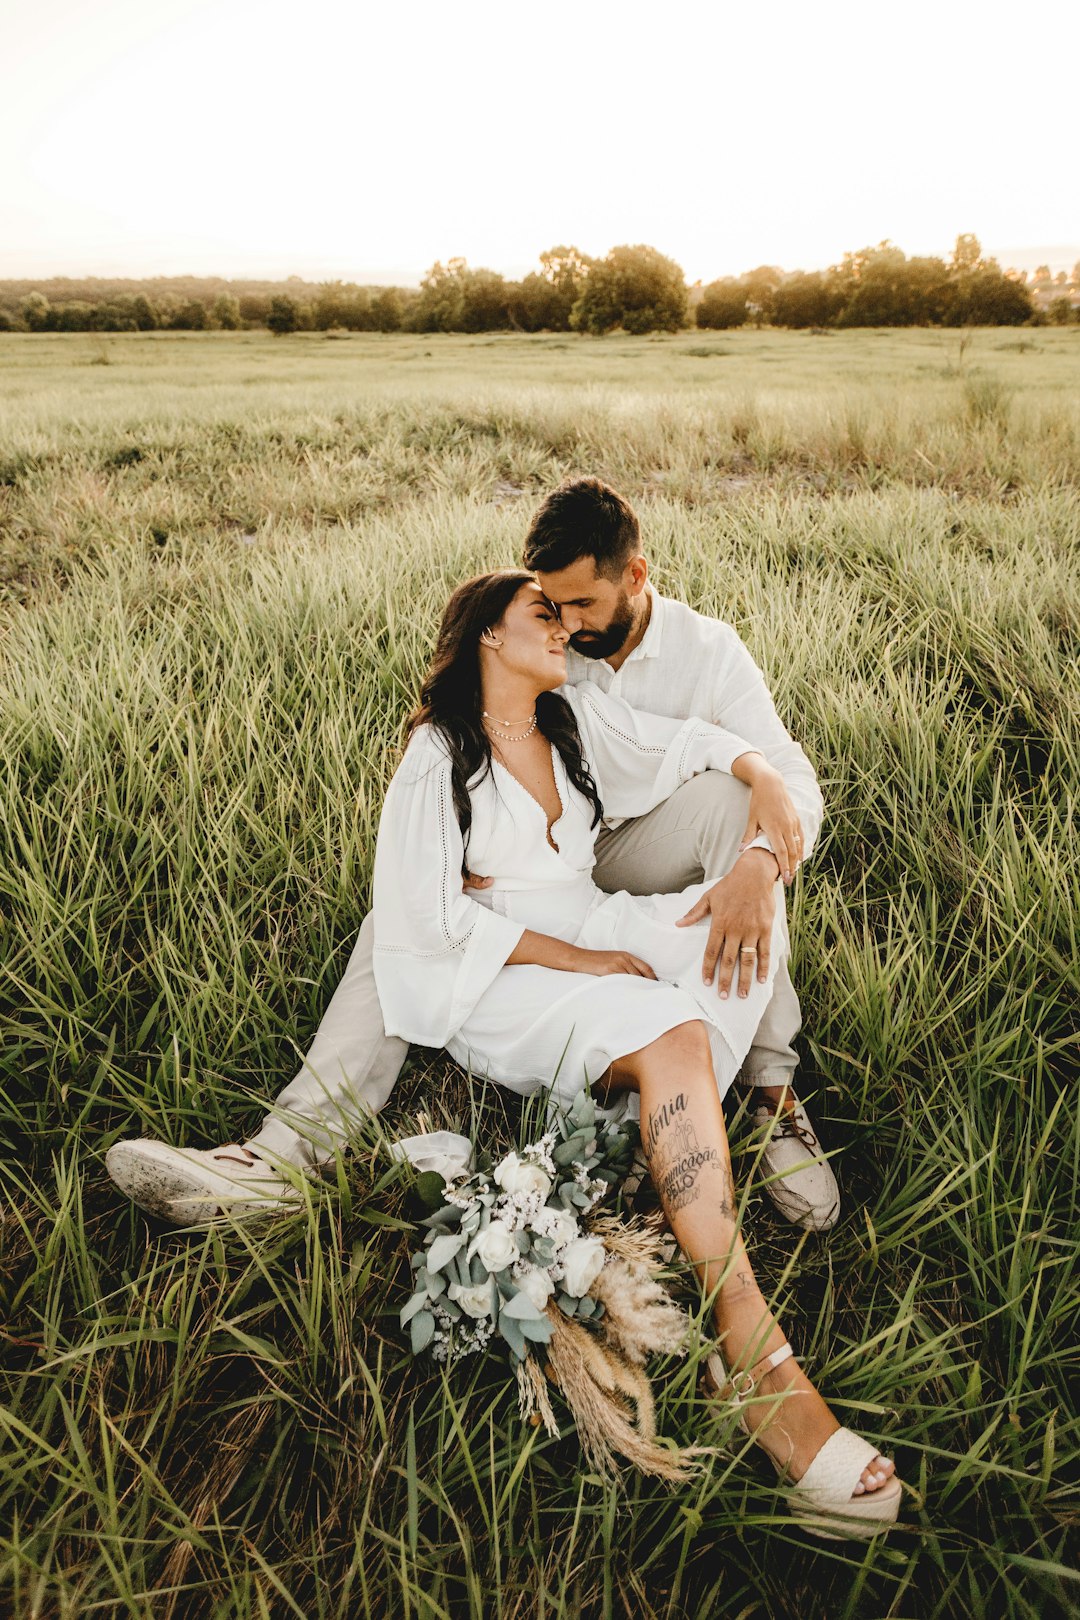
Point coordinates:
[[541, 975]]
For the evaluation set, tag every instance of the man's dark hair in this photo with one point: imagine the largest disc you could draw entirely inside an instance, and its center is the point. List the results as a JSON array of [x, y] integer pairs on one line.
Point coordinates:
[[583, 518]]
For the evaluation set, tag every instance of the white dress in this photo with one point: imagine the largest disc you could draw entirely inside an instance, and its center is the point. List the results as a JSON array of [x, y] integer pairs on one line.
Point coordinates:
[[440, 954]]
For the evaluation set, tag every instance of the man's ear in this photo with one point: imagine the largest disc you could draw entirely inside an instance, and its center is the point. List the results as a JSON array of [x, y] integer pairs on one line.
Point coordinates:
[[637, 572]]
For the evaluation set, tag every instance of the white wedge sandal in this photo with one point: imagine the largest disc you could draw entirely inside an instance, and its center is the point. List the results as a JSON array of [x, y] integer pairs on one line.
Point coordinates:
[[823, 1498]]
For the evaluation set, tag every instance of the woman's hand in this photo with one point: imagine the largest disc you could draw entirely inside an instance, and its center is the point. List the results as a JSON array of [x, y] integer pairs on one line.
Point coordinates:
[[604, 962], [543, 950], [773, 814]]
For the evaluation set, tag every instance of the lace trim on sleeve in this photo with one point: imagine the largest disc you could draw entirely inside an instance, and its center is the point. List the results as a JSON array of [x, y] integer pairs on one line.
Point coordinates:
[[617, 731], [446, 814], [653, 750]]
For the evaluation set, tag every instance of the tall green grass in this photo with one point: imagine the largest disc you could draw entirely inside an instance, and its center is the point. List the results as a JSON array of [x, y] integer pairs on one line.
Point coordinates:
[[197, 727]]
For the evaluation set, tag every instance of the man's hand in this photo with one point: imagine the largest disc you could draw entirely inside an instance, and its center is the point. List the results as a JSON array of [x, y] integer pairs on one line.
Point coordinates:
[[741, 908], [471, 881]]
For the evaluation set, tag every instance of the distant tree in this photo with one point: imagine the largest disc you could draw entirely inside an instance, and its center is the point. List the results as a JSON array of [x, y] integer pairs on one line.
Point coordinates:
[[1075, 279], [226, 312], [987, 297], [761, 285], [283, 316], [1061, 312], [636, 288], [75, 315], [254, 308], [441, 304], [967, 254], [537, 306], [723, 304], [343, 304], [143, 313], [805, 299], [35, 312], [485, 301], [892, 290], [190, 317], [542, 301], [109, 317], [1042, 275], [8, 322], [386, 310]]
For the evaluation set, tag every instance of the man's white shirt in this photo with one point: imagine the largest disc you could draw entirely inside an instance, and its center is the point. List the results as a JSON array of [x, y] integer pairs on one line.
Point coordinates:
[[686, 664]]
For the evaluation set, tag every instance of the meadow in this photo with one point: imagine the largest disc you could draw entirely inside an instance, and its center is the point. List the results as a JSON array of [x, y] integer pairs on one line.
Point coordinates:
[[222, 558]]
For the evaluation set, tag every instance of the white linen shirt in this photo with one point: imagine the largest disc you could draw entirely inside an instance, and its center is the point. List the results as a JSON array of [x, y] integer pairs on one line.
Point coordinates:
[[686, 664]]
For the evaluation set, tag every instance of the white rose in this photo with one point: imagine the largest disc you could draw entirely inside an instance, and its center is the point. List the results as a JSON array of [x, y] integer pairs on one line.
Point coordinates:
[[515, 1176], [474, 1301], [535, 1283], [583, 1261], [495, 1246], [557, 1224]]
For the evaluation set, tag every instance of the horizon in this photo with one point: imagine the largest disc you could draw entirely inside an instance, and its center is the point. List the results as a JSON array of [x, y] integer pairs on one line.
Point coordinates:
[[1058, 256]]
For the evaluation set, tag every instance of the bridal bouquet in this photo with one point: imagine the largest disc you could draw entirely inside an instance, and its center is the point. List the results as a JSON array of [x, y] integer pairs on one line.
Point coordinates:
[[517, 1254]]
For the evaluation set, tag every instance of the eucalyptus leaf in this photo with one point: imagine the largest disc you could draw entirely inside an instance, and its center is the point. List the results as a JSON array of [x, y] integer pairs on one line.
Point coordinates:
[[422, 1329], [521, 1307], [443, 1250], [416, 1303], [462, 1271], [505, 1282], [515, 1338], [539, 1331]]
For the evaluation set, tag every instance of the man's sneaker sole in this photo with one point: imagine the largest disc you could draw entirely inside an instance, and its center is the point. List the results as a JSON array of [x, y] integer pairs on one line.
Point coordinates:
[[173, 1192]]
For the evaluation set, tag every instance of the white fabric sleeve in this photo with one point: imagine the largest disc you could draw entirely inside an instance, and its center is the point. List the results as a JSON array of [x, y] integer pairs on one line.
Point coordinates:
[[742, 699], [638, 760], [436, 949]]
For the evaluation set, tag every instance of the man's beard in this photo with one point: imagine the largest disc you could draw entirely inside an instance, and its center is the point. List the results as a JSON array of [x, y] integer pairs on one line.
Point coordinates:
[[602, 643]]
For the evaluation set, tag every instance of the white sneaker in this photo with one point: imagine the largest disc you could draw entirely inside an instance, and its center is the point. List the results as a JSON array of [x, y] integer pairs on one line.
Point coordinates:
[[800, 1178], [198, 1186]]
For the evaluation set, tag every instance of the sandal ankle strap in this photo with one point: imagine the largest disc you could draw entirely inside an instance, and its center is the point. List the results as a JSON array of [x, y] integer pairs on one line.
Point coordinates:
[[741, 1385]]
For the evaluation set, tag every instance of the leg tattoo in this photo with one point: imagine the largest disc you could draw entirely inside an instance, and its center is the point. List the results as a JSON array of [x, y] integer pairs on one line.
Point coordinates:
[[677, 1158]]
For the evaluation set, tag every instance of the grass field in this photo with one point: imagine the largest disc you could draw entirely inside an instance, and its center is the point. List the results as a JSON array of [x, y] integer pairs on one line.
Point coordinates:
[[221, 562]]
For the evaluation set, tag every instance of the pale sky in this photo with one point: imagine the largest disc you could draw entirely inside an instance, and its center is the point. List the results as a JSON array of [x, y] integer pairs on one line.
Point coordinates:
[[154, 137]]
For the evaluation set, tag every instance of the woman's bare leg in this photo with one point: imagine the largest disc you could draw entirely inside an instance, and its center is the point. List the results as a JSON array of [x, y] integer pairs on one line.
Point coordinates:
[[684, 1137]]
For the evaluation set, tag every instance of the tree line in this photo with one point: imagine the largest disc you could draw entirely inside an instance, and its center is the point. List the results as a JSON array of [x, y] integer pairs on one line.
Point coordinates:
[[635, 289]]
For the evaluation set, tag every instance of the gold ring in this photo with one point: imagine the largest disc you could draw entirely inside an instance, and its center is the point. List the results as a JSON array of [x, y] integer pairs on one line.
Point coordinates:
[[748, 950]]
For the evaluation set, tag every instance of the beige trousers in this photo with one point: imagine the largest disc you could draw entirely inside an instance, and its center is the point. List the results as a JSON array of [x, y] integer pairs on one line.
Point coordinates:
[[352, 1065]]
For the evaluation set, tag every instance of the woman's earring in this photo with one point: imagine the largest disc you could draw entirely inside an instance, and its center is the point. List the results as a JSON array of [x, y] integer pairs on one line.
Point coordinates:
[[489, 640]]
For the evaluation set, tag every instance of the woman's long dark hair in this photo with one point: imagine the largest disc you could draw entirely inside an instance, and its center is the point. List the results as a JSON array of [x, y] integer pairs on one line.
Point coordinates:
[[450, 694]]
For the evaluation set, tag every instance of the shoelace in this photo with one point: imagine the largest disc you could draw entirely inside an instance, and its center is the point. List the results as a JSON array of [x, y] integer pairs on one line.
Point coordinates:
[[788, 1125]]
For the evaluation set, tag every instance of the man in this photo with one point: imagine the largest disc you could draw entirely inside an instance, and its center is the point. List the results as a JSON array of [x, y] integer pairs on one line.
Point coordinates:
[[661, 656]]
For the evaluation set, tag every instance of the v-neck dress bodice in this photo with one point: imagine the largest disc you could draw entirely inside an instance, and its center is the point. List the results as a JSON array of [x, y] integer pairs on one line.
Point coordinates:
[[440, 953]]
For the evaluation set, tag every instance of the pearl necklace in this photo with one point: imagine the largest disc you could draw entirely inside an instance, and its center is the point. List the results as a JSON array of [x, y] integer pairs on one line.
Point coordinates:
[[504, 736]]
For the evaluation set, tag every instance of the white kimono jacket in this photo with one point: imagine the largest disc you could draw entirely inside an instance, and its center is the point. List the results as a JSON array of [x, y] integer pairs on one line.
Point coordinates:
[[439, 950]]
